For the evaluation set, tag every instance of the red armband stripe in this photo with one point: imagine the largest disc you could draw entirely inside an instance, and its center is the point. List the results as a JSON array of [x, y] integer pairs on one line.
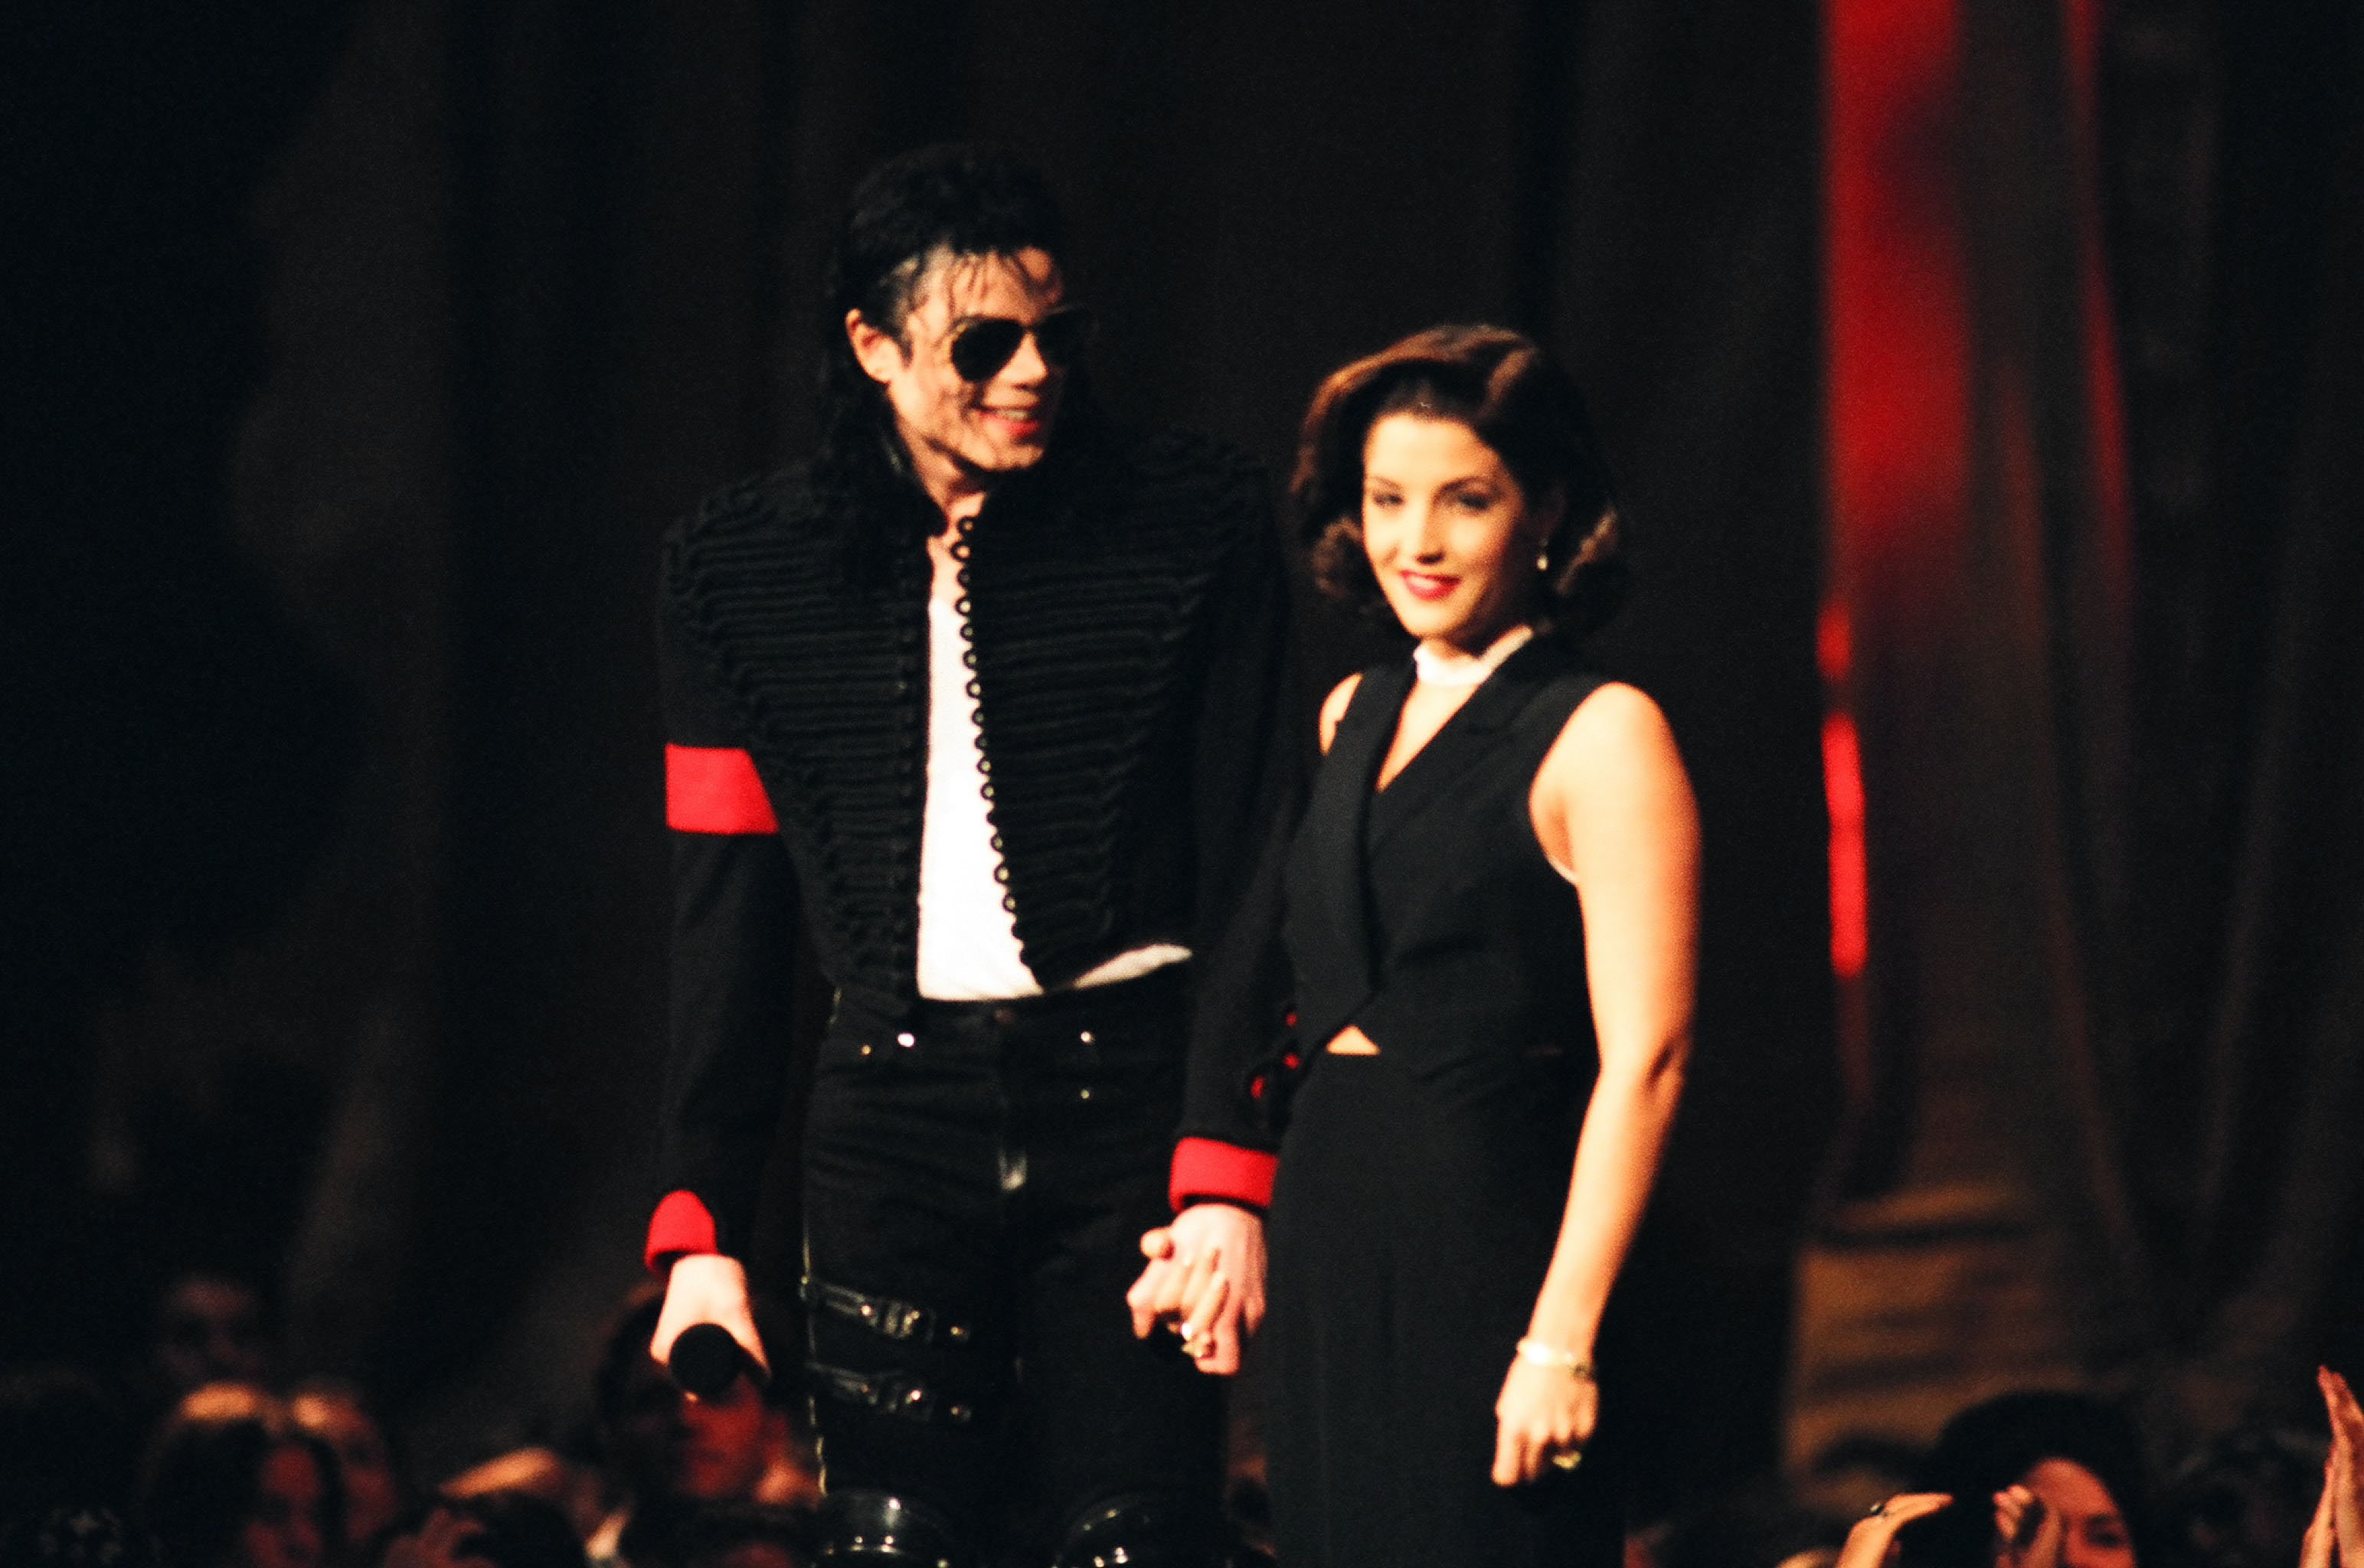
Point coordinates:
[[681, 1224], [713, 789], [1205, 1168]]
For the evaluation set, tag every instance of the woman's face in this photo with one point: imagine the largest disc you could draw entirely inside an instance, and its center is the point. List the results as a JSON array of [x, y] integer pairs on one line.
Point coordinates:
[[1450, 535], [286, 1528], [2094, 1533]]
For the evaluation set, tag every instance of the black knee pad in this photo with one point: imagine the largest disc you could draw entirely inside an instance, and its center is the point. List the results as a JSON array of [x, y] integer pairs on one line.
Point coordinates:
[[882, 1530], [1139, 1529]]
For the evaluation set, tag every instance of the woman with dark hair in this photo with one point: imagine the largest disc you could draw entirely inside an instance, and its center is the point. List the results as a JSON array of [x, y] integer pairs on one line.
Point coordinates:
[[2039, 1477], [1492, 915], [232, 1481]]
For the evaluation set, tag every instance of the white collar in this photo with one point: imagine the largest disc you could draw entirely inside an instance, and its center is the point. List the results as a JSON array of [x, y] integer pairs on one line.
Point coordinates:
[[1436, 669]]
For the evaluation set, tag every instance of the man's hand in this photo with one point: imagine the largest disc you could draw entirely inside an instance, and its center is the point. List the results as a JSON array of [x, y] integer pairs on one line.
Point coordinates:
[[707, 1287], [1205, 1275]]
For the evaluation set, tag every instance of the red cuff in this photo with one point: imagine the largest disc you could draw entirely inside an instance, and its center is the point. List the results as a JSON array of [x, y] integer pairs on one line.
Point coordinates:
[[713, 789], [681, 1224], [1204, 1168]]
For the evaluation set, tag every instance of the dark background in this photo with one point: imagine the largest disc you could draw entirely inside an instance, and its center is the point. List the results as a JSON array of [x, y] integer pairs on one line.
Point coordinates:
[[357, 354]]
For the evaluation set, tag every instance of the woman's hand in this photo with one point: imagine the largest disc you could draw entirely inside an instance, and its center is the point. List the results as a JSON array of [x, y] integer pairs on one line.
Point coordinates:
[[1205, 1276], [707, 1287], [1873, 1540], [1543, 1419], [2027, 1534]]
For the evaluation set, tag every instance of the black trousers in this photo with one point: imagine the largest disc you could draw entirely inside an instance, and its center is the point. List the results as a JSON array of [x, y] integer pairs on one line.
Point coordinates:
[[975, 1188]]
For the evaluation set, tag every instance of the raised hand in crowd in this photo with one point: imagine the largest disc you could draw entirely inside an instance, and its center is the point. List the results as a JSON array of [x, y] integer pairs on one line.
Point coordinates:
[[2337, 1535], [1872, 1543], [2027, 1533]]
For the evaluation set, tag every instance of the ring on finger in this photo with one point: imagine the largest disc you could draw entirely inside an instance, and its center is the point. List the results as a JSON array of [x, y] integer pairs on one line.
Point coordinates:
[[1567, 1457]]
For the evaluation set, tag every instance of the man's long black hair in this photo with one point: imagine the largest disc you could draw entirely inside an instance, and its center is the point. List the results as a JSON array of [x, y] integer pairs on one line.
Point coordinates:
[[910, 214]]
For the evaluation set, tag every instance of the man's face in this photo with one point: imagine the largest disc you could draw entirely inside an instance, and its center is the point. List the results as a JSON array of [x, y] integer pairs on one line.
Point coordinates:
[[961, 433]]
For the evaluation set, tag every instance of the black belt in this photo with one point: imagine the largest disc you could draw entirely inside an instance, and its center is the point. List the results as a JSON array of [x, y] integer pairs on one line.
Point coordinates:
[[1164, 988], [885, 1316], [890, 1394]]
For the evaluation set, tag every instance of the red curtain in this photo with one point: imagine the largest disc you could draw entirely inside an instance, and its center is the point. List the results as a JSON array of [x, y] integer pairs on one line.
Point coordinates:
[[2094, 630]]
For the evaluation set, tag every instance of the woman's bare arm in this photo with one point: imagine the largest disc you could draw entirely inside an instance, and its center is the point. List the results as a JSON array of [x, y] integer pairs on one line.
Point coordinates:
[[1613, 807]]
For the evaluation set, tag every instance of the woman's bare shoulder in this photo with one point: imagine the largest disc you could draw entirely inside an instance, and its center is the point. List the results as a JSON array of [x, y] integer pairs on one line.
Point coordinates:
[[1616, 733], [1616, 713]]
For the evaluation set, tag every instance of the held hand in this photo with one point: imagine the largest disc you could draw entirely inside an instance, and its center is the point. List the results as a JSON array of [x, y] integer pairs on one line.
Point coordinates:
[[707, 1287], [1205, 1276], [2027, 1534], [1168, 1286], [1543, 1415], [1870, 1544]]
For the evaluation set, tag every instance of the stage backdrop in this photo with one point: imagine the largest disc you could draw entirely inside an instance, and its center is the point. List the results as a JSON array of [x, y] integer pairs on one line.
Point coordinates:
[[2096, 573], [357, 354]]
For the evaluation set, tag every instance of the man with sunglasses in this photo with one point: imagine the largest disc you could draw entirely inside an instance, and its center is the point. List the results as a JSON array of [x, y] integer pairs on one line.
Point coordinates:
[[986, 700]]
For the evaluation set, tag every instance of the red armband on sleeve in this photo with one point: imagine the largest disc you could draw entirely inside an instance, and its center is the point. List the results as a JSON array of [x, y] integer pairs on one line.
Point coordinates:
[[681, 1224], [714, 789], [1205, 1168]]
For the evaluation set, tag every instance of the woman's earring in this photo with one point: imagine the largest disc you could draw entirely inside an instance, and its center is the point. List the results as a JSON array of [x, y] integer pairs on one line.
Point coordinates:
[[1543, 559]]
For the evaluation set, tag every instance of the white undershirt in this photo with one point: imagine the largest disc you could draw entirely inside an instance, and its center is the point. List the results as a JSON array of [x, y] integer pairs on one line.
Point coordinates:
[[968, 936]]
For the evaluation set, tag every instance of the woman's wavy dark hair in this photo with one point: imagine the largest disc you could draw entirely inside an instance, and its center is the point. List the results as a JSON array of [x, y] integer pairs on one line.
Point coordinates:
[[910, 215], [205, 1472], [1515, 400], [1991, 1445]]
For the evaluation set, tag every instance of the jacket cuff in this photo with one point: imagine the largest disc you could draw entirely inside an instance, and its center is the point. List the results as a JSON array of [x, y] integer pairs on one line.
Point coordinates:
[[682, 1224], [1225, 1172]]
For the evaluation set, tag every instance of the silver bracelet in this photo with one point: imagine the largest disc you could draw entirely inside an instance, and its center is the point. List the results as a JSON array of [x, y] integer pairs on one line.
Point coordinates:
[[1569, 1361]]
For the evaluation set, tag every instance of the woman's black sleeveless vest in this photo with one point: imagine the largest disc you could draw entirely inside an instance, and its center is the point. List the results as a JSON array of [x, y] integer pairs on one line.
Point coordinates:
[[1426, 912]]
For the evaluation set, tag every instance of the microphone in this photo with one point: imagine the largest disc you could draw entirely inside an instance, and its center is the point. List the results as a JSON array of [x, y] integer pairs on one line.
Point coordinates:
[[705, 1360]]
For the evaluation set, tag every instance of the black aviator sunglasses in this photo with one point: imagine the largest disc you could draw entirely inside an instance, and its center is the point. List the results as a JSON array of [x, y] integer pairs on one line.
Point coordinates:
[[982, 344]]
